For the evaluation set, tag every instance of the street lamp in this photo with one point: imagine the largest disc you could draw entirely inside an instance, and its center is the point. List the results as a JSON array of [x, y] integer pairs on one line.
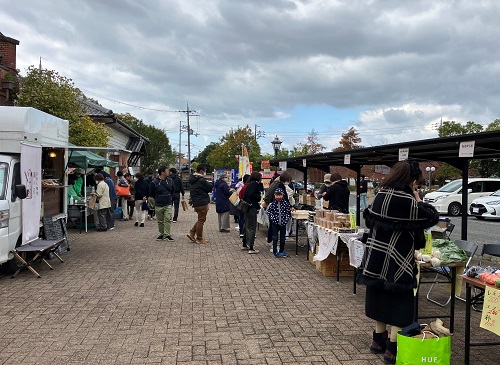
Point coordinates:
[[430, 170], [276, 145]]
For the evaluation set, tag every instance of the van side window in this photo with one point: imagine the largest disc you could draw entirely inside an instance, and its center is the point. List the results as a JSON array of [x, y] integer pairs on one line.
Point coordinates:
[[16, 179], [491, 185], [475, 186]]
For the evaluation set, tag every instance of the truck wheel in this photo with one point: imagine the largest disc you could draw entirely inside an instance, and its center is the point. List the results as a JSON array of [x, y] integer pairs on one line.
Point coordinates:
[[455, 209]]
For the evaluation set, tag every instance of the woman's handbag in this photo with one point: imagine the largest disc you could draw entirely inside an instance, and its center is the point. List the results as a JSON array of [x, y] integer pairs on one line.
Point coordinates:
[[243, 206], [435, 350], [144, 205], [234, 198], [122, 190], [184, 205]]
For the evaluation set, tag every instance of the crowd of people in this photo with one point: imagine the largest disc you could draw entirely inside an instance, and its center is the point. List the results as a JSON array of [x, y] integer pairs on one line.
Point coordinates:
[[396, 220]]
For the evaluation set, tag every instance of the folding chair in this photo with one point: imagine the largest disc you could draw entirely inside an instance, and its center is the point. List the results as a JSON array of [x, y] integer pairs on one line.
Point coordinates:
[[470, 249], [491, 249], [449, 228], [41, 250]]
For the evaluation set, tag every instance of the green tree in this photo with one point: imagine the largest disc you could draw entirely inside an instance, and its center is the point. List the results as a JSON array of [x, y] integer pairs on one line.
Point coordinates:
[[312, 146], [485, 168], [230, 145], [452, 128], [158, 150], [202, 157], [349, 140], [54, 94]]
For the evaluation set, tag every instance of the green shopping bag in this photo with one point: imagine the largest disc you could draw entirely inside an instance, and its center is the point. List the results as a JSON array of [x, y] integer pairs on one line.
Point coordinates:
[[428, 350]]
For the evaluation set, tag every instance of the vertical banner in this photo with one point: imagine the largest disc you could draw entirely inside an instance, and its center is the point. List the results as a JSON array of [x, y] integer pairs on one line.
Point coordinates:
[[31, 177], [244, 166]]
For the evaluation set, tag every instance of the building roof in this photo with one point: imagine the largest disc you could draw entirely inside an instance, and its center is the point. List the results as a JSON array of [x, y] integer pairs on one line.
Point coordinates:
[[445, 149], [8, 39]]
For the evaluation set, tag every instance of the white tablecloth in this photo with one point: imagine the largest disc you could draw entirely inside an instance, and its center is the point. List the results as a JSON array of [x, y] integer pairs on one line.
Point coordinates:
[[328, 240]]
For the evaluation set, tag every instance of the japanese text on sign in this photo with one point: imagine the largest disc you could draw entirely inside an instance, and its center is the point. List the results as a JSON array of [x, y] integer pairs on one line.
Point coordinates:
[[466, 149], [403, 154], [490, 317]]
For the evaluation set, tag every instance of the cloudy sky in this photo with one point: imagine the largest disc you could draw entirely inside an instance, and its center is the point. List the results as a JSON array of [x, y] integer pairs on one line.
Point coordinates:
[[390, 68]]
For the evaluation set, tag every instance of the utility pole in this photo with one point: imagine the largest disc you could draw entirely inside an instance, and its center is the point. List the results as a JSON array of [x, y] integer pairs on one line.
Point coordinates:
[[190, 131], [258, 134]]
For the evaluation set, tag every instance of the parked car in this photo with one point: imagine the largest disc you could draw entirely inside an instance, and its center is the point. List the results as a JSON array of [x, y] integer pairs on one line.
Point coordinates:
[[299, 185], [486, 206], [448, 198]]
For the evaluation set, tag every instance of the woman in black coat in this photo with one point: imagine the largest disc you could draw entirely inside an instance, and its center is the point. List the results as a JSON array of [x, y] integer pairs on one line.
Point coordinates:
[[222, 203], [252, 195], [397, 219]]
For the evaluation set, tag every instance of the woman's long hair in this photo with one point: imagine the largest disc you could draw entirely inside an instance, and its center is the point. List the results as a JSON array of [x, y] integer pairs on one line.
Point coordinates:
[[402, 175]]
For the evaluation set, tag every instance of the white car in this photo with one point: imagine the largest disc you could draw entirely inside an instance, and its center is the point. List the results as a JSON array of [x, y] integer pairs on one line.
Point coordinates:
[[448, 198], [486, 206]]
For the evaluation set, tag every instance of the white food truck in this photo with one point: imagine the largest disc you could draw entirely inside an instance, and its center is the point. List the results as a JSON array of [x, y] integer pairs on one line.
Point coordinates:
[[33, 157]]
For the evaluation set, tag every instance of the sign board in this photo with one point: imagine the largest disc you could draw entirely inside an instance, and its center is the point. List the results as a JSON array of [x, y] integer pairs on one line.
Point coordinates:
[[403, 154], [304, 162], [283, 165], [347, 159], [490, 316], [466, 149], [265, 164]]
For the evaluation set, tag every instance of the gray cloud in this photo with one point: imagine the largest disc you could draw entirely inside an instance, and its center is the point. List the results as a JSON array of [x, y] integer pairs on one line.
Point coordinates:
[[250, 59]]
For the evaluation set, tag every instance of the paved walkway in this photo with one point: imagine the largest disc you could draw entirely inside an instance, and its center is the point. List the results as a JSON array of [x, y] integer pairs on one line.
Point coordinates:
[[121, 297]]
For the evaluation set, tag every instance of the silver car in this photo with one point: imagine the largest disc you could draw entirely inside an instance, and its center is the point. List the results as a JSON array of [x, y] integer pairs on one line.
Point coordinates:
[[486, 206]]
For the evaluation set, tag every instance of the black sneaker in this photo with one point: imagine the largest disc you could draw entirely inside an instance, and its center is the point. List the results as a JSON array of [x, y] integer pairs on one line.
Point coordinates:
[[160, 237], [141, 225], [169, 238], [136, 224]]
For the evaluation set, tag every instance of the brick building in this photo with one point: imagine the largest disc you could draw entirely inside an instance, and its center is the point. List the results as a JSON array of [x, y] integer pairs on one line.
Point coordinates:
[[8, 71]]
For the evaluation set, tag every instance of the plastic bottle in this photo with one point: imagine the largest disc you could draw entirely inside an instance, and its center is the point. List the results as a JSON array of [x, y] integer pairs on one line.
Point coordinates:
[[71, 201]]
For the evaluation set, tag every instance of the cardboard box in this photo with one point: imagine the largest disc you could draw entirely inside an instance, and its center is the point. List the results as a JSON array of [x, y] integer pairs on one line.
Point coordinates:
[[310, 200], [311, 255], [302, 199], [328, 267]]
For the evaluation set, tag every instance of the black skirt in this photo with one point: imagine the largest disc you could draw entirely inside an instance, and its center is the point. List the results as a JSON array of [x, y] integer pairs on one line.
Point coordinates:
[[393, 308]]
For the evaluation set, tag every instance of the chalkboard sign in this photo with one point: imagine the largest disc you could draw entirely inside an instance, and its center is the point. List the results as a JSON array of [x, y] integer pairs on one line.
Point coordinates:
[[55, 230]]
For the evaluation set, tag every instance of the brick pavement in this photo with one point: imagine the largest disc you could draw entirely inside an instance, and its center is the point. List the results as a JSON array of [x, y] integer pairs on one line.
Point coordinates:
[[121, 297]]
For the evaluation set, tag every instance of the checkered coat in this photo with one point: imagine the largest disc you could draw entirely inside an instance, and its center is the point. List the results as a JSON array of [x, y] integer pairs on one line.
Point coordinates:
[[397, 222]]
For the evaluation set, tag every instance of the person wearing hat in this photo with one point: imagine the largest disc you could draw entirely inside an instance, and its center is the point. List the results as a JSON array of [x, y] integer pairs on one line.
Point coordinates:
[[222, 203], [323, 188], [363, 189], [280, 213]]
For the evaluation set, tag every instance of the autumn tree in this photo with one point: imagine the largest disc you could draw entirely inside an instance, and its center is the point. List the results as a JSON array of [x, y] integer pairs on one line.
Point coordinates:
[[311, 147], [54, 94], [158, 150], [230, 145], [349, 140]]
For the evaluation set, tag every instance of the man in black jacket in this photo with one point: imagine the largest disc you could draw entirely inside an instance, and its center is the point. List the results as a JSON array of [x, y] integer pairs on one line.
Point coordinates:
[[161, 190], [337, 194], [199, 188], [178, 190]]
